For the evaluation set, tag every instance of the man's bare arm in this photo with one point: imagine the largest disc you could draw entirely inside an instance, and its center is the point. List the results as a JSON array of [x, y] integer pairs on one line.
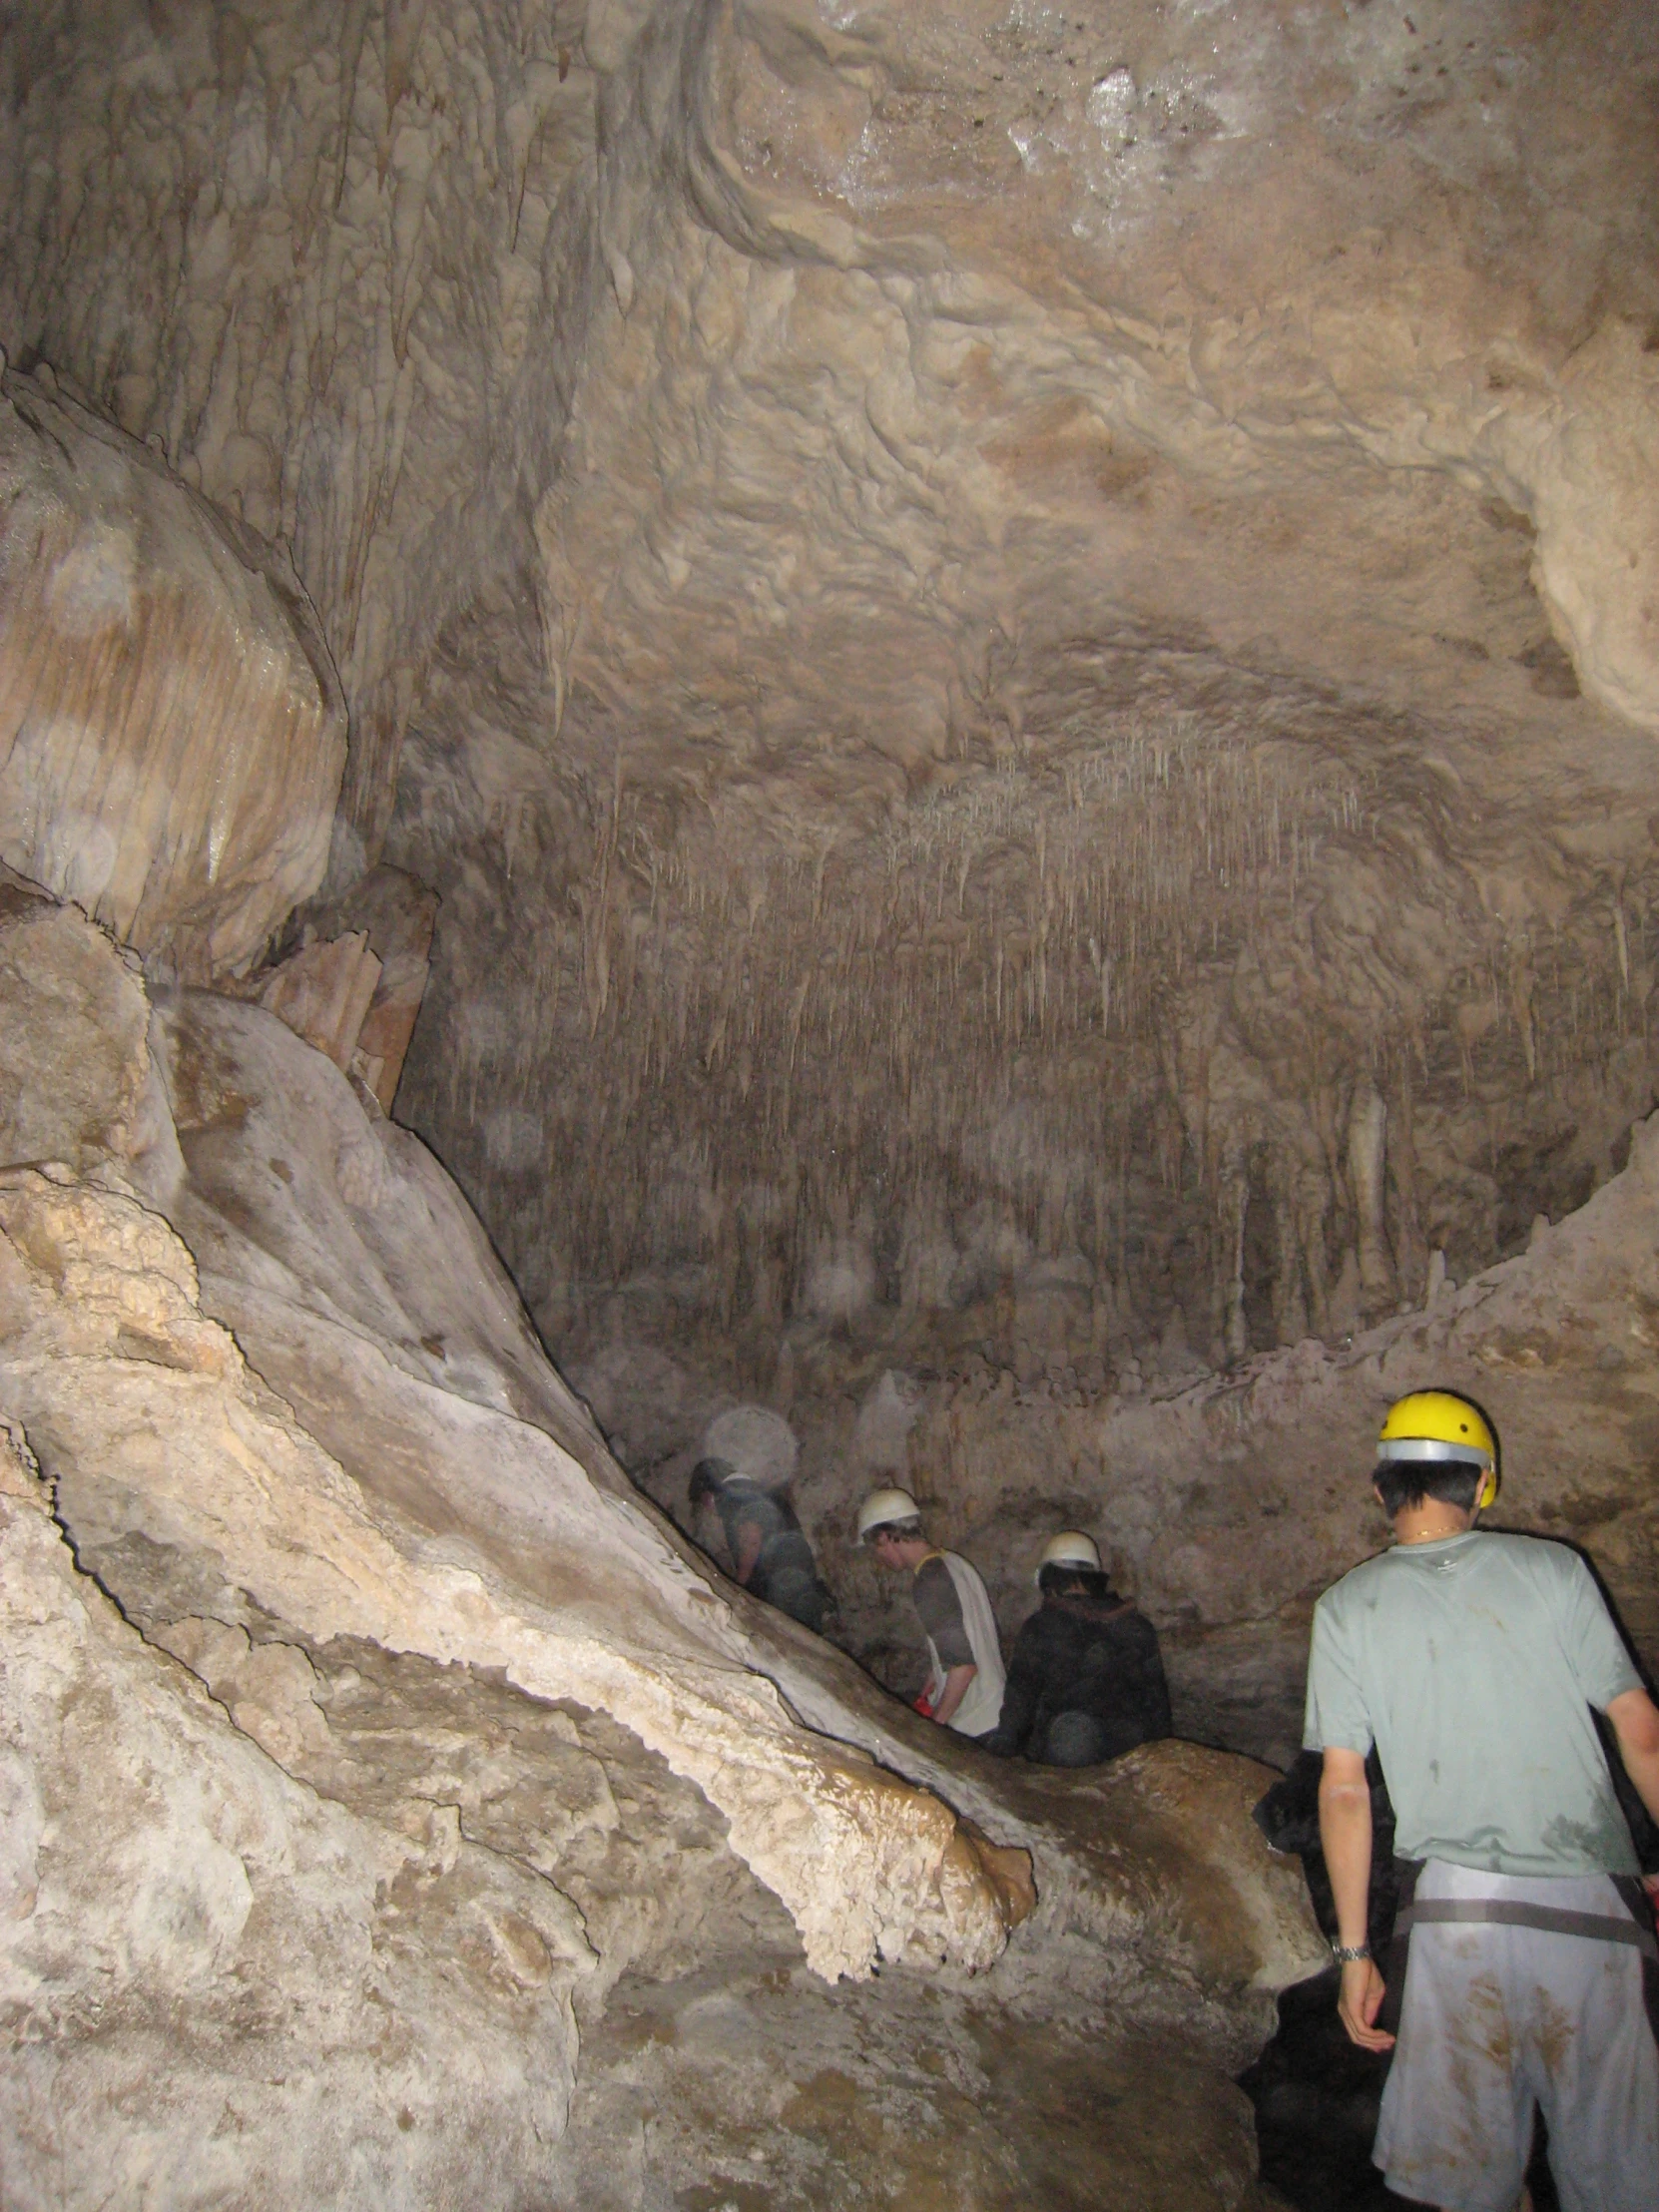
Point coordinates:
[[955, 1689], [1344, 1831], [748, 1552], [1635, 1720]]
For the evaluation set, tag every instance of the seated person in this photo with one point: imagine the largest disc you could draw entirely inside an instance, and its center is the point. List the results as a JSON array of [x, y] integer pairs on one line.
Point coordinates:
[[1086, 1680], [770, 1553]]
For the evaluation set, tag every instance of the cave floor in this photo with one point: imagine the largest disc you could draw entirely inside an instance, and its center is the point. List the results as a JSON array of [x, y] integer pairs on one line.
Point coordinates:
[[753, 2087]]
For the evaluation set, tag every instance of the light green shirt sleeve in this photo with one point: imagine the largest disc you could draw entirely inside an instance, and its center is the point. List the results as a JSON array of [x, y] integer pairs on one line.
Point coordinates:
[[1336, 1719], [1594, 1649]]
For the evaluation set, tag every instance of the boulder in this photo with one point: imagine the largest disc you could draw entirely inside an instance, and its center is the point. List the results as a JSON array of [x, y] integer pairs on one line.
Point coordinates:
[[172, 732]]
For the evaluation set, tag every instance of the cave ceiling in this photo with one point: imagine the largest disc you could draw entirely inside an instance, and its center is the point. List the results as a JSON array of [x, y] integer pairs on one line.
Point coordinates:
[[1016, 635]]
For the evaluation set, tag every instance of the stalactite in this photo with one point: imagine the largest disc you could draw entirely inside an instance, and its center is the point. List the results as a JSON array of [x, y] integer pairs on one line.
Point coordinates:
[[841, 1002]]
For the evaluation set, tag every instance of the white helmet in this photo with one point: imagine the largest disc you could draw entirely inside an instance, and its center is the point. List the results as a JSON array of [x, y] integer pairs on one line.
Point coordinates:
[[1070, 1548], [881, 1508]]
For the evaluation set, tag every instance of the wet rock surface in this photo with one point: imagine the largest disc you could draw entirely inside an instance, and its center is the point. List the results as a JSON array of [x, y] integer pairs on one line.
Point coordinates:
[[752, 2087]]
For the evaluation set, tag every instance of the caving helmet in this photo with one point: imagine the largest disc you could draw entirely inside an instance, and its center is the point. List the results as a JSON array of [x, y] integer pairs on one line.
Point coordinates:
[[1438, 1426], [1070, 1548], [883, 1510]]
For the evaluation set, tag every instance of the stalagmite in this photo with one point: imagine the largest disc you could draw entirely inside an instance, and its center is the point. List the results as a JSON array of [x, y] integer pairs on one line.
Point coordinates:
[[1368, 1123], [1290, 1307], [1234, 1191]]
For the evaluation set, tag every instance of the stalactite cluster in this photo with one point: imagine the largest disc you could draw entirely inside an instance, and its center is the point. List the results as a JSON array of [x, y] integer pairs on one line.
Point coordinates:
[[1155, 1002]]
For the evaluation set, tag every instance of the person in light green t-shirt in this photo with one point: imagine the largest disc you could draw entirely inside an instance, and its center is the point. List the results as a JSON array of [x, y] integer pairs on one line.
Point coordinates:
[[1472, 1662]]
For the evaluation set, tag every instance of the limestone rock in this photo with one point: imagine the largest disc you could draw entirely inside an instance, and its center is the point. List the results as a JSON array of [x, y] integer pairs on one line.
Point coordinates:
[[324, 991], [195, 1493], [405, 1595], [76, 1025], [182, 1487], [395, 916], [215, 1982], [171, 731]]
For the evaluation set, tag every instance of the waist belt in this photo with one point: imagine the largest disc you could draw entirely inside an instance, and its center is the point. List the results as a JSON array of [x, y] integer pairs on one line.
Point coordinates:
[[1600, 1928]]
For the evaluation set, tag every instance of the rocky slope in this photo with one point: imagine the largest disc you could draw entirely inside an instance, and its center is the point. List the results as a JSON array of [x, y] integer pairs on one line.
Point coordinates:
[[361, 1725]]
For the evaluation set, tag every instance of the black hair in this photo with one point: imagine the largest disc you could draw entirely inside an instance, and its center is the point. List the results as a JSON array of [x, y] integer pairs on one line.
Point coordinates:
[[902, 1532], [1058, 1577], [706, 1478], [1402, 1484]]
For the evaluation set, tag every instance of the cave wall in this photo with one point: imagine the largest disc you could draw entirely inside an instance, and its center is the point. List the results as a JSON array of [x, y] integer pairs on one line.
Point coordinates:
[[987, 704], [310, 255], [1021, 646], [1065, 779]]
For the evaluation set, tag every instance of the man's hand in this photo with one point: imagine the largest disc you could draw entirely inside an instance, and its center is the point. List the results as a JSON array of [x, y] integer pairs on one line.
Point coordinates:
[[1344, 1835], [955, 1689], [1360, 2002]]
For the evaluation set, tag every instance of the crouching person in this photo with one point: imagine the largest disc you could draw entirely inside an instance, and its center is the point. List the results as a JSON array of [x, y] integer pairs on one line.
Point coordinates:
[[1086, 1679], [770, 1554], [964, 1687]]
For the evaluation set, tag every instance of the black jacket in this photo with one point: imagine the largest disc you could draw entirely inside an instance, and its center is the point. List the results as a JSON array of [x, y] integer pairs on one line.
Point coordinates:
[[1084, 1655]]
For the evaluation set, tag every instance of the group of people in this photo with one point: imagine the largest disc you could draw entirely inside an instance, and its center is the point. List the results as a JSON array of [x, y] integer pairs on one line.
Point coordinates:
[[1523, 1968], [1085, 1681]]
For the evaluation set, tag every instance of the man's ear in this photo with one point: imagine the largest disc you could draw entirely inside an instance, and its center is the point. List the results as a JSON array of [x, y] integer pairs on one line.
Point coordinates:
[[1377, 1495]]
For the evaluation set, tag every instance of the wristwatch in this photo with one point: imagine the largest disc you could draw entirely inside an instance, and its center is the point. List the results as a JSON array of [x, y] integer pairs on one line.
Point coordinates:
[[1345, 1954]]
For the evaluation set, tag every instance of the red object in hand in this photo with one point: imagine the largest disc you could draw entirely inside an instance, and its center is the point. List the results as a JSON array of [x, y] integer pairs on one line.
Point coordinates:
[[925, 1706]]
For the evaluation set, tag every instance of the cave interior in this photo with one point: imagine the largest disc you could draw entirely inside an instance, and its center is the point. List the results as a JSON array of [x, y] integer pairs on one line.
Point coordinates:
[[943, 717]]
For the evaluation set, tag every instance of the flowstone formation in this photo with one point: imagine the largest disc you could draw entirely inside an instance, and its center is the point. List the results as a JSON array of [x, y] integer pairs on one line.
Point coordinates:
[[172, 732], [362, 1734]]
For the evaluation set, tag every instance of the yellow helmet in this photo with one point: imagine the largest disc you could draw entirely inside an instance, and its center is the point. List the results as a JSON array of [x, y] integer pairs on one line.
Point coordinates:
[[1440, 1426]]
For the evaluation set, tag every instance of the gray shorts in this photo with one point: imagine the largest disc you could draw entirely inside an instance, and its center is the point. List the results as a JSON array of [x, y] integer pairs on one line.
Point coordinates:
[[1496, 2019]]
